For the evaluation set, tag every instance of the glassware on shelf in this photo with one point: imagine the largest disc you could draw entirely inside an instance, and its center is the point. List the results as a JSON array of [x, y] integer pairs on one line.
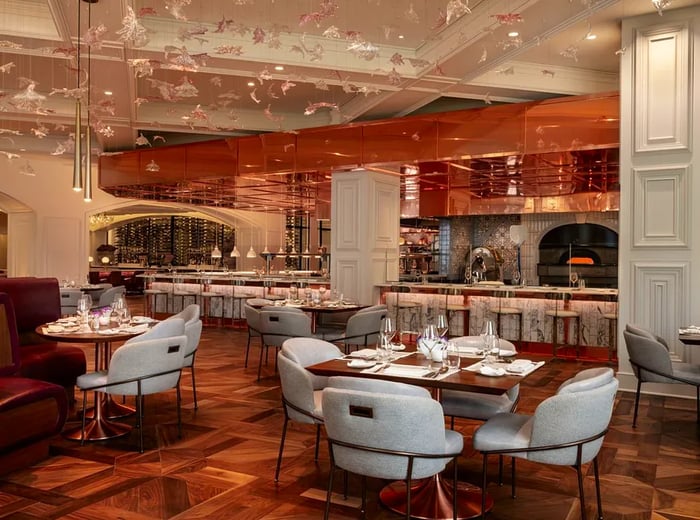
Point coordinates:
[[515, 277]]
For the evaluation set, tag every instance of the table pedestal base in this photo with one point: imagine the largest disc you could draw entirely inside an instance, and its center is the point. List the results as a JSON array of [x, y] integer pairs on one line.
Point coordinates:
[[98, 431], [431, 499], [115, 410]]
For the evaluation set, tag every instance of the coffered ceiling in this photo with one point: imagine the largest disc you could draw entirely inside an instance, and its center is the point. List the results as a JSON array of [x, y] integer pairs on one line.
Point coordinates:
[[171, 71]]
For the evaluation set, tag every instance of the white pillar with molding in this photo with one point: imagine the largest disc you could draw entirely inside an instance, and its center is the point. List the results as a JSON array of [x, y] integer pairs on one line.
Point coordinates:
[[365, 214], [659, 278]]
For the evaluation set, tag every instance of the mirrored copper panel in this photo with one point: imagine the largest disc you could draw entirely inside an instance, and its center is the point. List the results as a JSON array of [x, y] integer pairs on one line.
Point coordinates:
[[118, 169], [331, 147], [408, 139], [490, 131], [170, 161], [250, 155], [280, 152], [210, 159]]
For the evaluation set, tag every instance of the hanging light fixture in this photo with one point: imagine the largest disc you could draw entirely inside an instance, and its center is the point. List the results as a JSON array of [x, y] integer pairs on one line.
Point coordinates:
[[265, 250], [77, 147], [251, 252], [235, 253], [87, 194], [216, 252]]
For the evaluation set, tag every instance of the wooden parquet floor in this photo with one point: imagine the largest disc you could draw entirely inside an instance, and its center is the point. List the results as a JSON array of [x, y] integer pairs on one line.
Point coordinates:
[[223, 466]]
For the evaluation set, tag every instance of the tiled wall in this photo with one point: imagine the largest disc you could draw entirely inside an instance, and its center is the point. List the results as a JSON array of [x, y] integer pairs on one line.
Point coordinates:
[[457, 234]]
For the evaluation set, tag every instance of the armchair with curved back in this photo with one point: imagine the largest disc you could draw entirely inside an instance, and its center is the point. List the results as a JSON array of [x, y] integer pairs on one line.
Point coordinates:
[[651, 363], [567, 429], [144, 365], [301, 390], [109, 296], [279, 325], [193, 330], [362, 328], [386, 430]]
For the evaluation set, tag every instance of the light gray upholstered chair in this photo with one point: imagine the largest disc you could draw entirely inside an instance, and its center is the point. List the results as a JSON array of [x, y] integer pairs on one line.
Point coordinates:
[[386, 430], [641, 331], [193, 330], [252, 319], [276, 327], [301, 390], [111, 294], [652, 363], [567, 429], [144, 365], [362, 329], [69, 300]]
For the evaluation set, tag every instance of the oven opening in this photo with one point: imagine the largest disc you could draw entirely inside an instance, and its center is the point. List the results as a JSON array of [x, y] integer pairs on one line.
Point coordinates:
[[580, 256]]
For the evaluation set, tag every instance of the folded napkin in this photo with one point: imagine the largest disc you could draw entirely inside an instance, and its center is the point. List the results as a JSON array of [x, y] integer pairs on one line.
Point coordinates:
[[109, 332], [137, 329], [406, 371], [491, 371], [365, 353], [690, 329], [54, 328], [470, 351]]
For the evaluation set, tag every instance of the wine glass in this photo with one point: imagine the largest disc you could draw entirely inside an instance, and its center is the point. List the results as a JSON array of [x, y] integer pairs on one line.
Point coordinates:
[[442, 325], [573, 278], [515, 277], [387, 330], [322, 292], [491, 343], [430, 340]]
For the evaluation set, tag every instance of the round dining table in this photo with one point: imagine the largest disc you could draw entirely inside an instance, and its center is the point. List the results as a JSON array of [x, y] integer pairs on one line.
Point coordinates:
[[98, 425]]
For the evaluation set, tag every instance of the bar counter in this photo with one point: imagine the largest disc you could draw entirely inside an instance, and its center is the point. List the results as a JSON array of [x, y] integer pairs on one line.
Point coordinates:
[[420, 302]]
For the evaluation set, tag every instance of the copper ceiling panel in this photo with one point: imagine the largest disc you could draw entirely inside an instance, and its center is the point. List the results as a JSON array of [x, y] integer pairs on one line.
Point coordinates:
[[405, 140], [330, 147], [210, 159]]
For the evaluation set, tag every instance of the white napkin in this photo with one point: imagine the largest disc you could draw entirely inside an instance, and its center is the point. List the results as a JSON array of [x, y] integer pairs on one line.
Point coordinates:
[[491, 371], [54, 328], [690, 329], [365, 353], [406, 371], [137, 329], [471, 351]]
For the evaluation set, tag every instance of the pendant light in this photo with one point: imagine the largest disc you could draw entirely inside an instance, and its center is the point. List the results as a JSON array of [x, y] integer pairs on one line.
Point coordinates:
[[87, 194], [235, 253], [216, 252], [265, 250], [77, 152], [251, 252]]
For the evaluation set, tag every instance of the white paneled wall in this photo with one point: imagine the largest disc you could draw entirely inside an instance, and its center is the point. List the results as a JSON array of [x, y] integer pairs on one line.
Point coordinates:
[[365, 240], [659, 246]]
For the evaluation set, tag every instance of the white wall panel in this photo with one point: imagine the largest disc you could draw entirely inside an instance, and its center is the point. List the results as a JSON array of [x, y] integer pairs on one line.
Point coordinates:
[[346, 214], [661, 211], [63, 247], [661, 95], [661, 299], [348, 278]]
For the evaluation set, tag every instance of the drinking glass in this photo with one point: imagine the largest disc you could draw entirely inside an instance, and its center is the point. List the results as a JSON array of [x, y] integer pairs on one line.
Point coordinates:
[[322, 292], [450, 357], [83, 308], [491, 343], [387, 330], [515, 277], [430, 340], [573, 278], [442, 325]]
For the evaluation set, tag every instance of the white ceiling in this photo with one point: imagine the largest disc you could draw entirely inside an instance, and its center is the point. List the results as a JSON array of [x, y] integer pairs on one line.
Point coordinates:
[[467, 62]]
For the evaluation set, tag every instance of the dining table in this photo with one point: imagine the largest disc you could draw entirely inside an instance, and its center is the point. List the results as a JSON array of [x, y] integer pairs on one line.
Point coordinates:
[[431, 498], [98, 425]]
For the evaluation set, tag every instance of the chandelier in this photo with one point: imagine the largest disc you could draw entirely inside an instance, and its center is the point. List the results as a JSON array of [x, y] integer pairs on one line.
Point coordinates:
[[100, 220]]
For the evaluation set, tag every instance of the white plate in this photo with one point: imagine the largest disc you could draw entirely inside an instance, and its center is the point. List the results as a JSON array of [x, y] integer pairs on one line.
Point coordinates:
[[397, 347], [141, 319], [361, 363], [507, 353]]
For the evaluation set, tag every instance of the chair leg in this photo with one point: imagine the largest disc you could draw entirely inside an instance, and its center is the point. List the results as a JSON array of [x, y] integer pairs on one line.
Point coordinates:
[[262, 347], [139, 417], [500, 470], [512, 477], [454, 489], [597, 488], [363, 507], [247, 351], [82, 429], [194, 386], [697, 404], [279, 455], [483, 488], [318, 439], [328, 492], [408, 499], [179, 409], [452, 422], [580, 491], [345, 484], [636, 402]]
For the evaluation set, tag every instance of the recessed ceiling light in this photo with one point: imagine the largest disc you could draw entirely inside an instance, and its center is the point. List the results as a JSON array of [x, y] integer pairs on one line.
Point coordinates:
[[108, 92], [401, 36], [279, 67], [591, 36], [513, 34], [251, 84]]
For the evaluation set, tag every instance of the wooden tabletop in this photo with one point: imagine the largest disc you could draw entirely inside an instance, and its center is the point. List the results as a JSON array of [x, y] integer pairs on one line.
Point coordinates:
[[689, 339], [462, 380], [84, 336]]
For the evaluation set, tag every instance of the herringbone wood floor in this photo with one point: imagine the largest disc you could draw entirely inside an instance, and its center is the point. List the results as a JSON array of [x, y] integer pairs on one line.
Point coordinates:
[[223, 466]]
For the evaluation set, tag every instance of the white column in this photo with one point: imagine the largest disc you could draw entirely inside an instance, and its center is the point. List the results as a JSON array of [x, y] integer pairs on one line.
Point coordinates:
[[365, 213], [659, 155], [21, 253]]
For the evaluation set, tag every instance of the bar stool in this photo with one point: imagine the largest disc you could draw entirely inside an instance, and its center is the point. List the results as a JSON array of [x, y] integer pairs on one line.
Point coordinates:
[[181, 292], [151, 296], [505, 310], [237, 299], [611, 319], [403, 309], [562, 313], [207, 299], [452, 308]]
